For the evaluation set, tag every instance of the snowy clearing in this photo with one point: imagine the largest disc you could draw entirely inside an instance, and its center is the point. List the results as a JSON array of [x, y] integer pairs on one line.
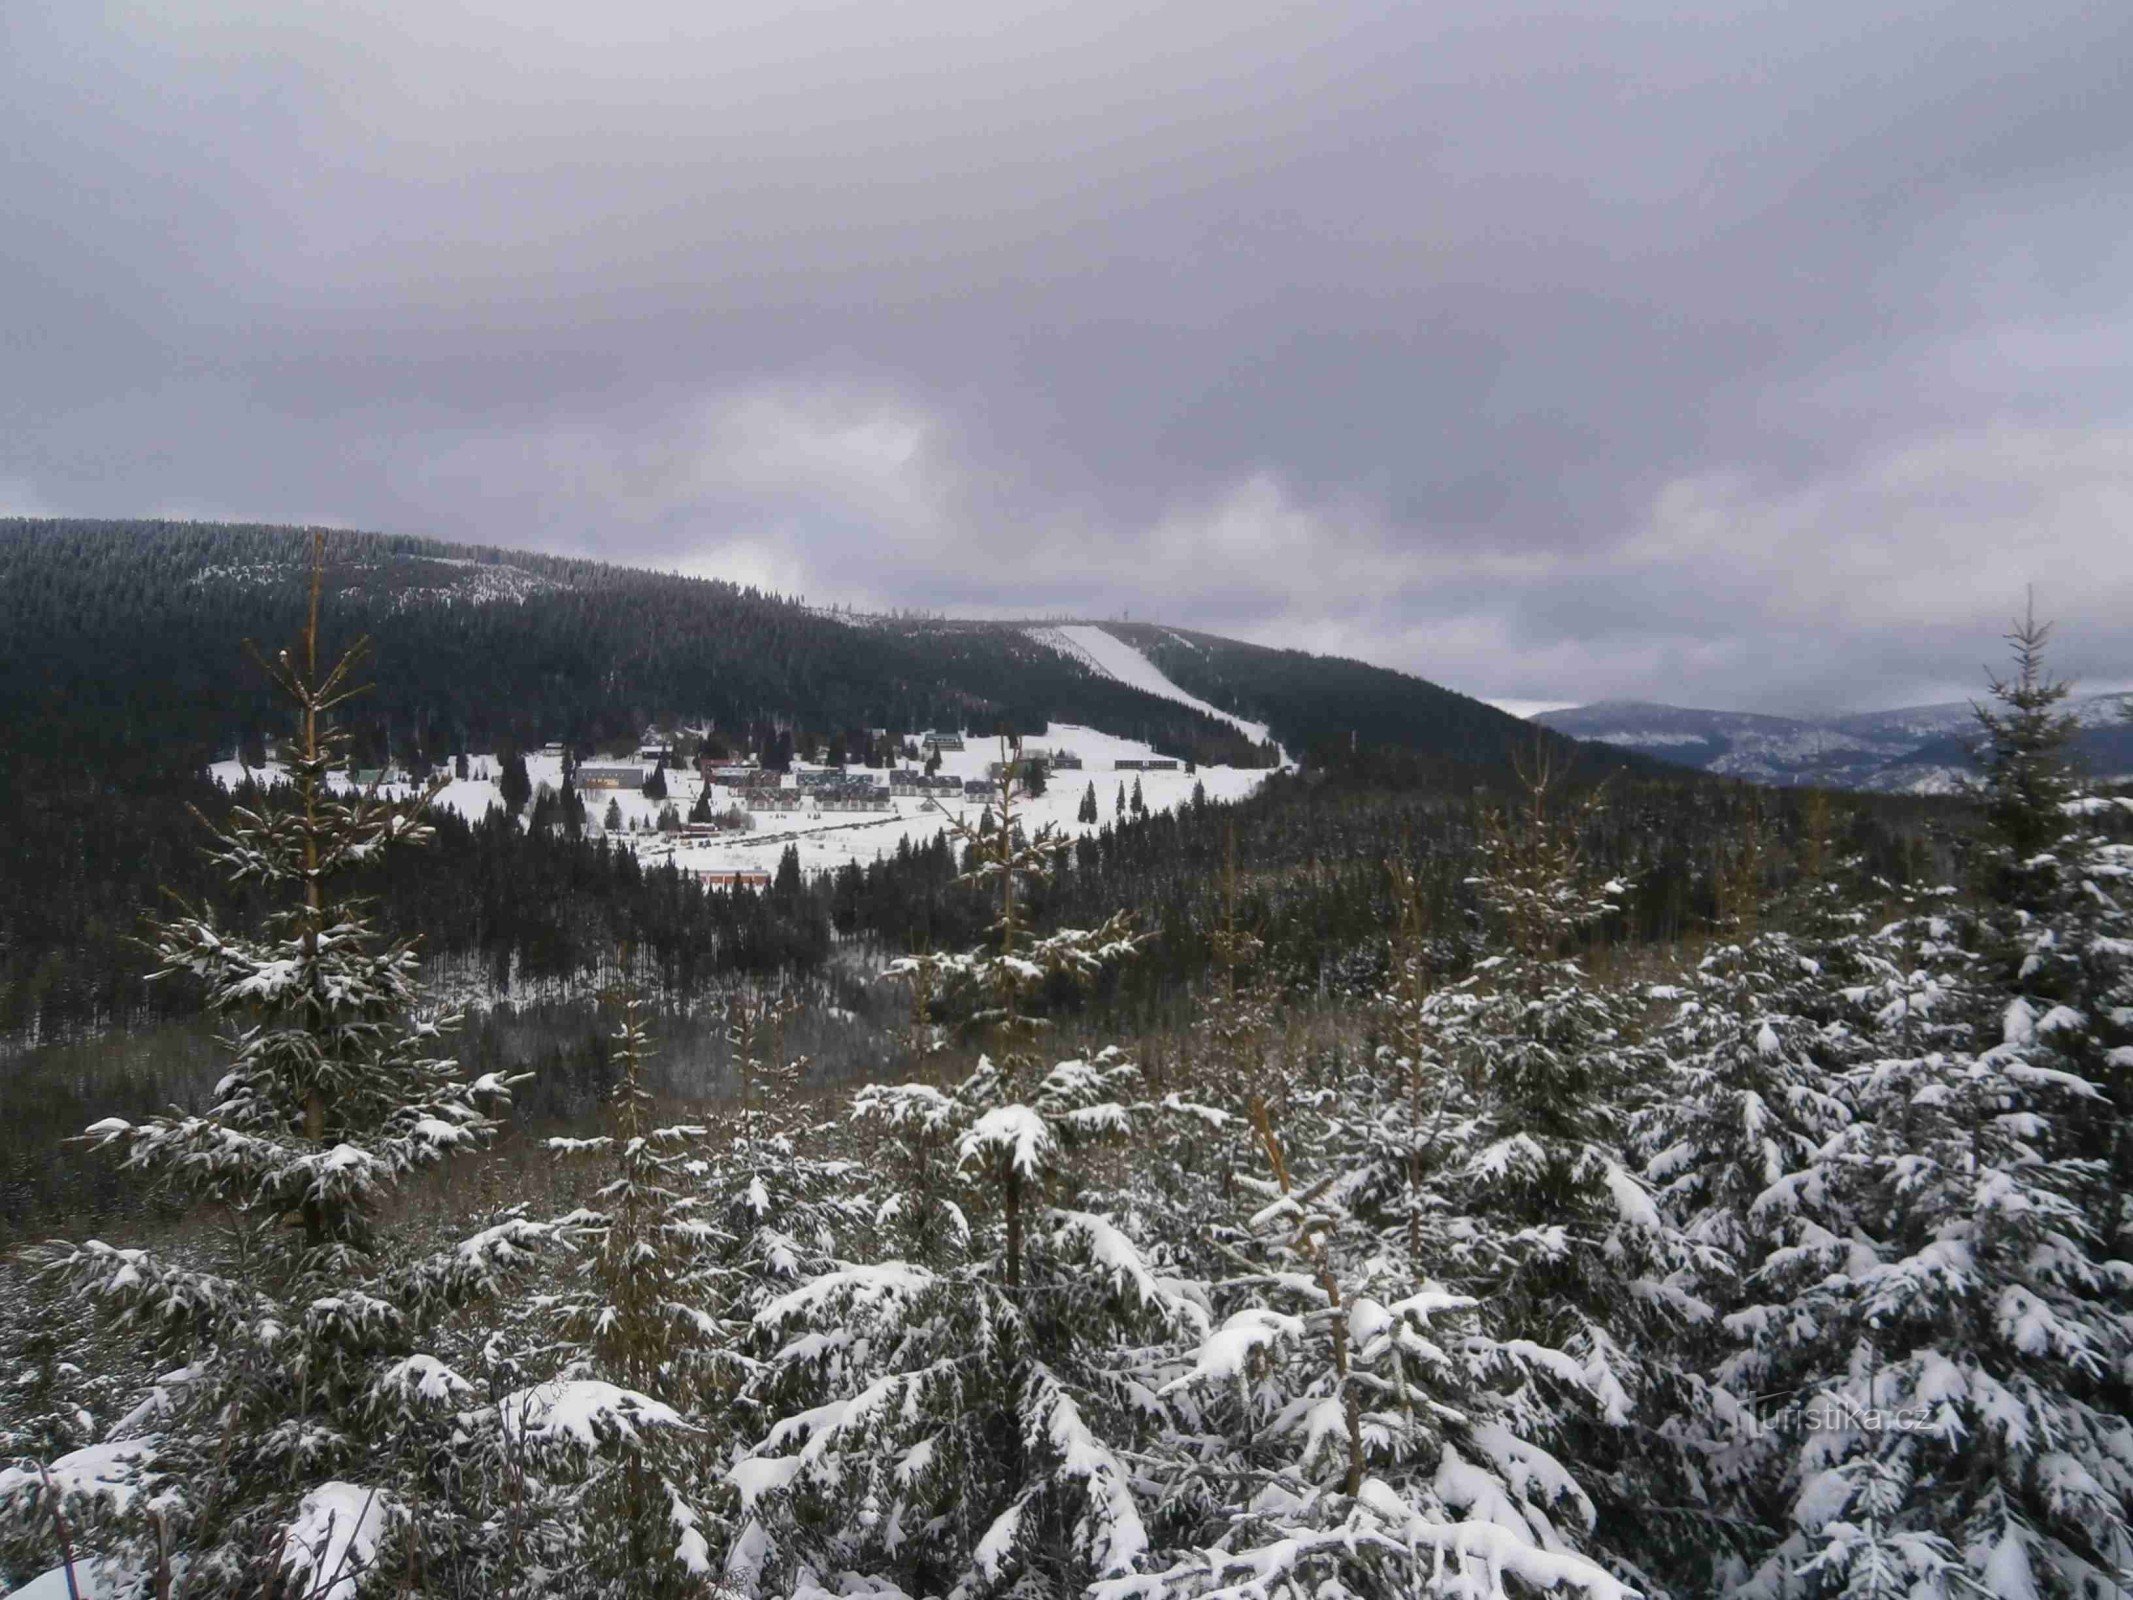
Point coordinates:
[[1114, 658], [827, 840]]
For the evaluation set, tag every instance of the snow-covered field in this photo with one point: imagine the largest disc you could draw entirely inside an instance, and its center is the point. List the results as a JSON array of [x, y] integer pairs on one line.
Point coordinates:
[[829, 839]]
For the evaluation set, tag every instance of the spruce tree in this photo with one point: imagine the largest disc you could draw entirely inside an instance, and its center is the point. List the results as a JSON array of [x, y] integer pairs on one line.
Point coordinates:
[[515, 786], [304, 1428], [1559, 1239], [2028, 785], [1349, 1424], [1950, 1340], [953, 1415], [951, 1410], [629, 1417]]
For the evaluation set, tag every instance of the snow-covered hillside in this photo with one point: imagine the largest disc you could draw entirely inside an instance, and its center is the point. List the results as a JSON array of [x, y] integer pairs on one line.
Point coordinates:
[[1114, 658], [829, 839]]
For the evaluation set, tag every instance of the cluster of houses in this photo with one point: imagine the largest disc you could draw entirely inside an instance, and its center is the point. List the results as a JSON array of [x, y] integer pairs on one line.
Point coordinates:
[[607, 775], [910, 782], [1054, 760], [843, 791], [760, 789], [713, 829], [733, 775]]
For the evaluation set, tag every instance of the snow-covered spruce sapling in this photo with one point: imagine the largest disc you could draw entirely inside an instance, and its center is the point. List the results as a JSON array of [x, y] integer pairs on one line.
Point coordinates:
[[1949, 1354], [642, 1337], [1555, 1233], [962, 1393], [1339, 1430], [947, 1424], [779, 1203], [1414, 1129], [301, 1396], [2056, 871], [1751, 1092], [1940, 1378], [1004, 975]]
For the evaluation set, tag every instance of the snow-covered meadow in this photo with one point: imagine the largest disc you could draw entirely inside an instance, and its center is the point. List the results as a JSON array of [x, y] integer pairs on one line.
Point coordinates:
[[828, 840]]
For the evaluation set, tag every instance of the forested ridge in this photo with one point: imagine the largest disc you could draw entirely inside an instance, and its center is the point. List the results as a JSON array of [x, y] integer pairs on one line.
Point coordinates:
[[1315, 704], [1789, 1259], [120, 636]]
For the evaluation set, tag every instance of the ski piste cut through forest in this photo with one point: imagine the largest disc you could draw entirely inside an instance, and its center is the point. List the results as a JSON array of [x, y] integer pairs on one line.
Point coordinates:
[[1514, 1252]]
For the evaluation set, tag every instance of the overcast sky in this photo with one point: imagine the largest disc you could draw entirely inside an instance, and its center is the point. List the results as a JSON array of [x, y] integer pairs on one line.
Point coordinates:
[[1741, 356]]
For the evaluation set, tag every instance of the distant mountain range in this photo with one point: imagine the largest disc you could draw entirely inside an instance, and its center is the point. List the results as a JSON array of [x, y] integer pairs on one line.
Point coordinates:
[[1914, 750]]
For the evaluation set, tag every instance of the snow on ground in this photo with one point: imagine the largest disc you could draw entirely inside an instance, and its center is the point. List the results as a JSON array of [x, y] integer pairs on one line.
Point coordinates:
[[1114, 658], [88, 1580], [829, 839]]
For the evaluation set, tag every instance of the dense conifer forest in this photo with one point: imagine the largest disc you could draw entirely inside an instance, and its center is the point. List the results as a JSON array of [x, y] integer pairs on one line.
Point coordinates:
[[1479, 1180]]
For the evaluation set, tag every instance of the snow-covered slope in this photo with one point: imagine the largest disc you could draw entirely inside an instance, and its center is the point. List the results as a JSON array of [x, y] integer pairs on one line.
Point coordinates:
[[1114, 658], [829, 839]]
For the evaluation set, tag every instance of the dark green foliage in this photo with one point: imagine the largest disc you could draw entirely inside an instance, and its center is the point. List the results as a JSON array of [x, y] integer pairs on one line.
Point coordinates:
[[513, 784], [119, 632], [1316, 705]]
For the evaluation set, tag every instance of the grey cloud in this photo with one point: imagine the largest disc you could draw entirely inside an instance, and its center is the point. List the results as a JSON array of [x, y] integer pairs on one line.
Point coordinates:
[[1754, 358]]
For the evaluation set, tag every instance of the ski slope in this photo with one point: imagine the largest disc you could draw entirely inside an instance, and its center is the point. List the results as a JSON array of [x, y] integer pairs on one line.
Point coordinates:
[[1115, 658]]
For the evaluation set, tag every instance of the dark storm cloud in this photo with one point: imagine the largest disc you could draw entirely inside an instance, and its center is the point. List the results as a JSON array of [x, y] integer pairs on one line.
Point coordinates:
[[1756, 359]]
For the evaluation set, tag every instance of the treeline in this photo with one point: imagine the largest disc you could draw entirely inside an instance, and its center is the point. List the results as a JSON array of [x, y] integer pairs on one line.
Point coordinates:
[[534, 913], [86, 852]]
